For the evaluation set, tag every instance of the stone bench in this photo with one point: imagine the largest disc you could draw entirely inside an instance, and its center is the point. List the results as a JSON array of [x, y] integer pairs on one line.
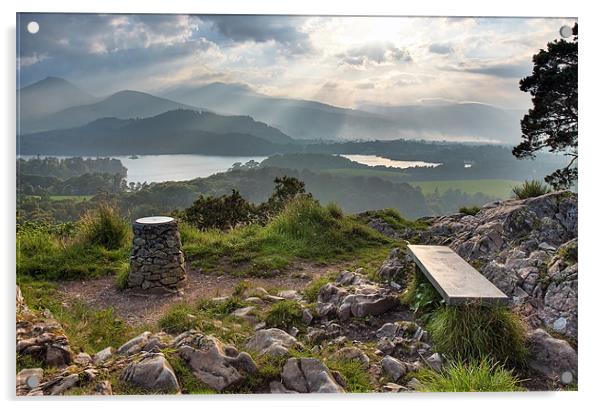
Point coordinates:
[[457, 281]]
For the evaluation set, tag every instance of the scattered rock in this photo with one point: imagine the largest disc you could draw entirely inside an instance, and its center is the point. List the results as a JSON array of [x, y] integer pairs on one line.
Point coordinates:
[[414, 384], [435, 362], [28, 379], [102, 356], [64, 384], [103, 388], [307, 316], [82, 359], [309, 375], [394, 368], [271, 341], [134, 345], [153, 372], [352, 354], [550, 356]]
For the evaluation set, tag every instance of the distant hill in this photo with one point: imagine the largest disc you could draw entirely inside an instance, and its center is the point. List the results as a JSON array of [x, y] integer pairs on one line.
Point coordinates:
[[178, 131], [122, 104], [48, 96], [315, 120]]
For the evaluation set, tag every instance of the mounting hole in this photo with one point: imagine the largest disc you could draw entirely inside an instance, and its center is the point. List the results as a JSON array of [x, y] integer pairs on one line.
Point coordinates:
[[33, 27]]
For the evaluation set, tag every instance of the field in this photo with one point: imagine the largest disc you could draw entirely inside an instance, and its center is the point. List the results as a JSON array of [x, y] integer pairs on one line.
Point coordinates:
[[501, 188], [77, 198]]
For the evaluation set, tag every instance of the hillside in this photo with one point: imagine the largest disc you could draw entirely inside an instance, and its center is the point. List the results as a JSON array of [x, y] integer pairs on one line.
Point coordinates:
[[344, 320], [177, 131]]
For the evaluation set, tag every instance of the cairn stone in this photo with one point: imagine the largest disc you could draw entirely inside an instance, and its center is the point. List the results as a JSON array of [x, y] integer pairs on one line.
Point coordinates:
[[157, 260]]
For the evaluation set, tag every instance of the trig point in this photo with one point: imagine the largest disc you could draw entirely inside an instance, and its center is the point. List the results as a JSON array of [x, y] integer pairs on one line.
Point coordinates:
[[157, 261]]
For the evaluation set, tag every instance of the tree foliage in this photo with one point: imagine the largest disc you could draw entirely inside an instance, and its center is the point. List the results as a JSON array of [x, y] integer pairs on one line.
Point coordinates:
[[552, 122]]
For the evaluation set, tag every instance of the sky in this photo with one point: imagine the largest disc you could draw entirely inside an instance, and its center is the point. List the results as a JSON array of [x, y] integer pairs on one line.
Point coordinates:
[[343, 61]]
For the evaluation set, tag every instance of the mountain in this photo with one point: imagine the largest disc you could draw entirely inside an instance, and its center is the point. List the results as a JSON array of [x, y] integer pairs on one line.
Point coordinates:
[[122, 104], [315, 120], [177, 131], [298, 118], [48, 96], [474, 121]]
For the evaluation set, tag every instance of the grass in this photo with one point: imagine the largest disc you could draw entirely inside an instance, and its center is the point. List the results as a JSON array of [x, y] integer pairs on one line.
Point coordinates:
[[87, 329], [478, 332], [356, 376], [471, 211], [393, 219], [99, 246], [284, 315], [421, 296], [530, 188], [303, 230], [312, 290], [501, 188], [474, 376], [76, 198]]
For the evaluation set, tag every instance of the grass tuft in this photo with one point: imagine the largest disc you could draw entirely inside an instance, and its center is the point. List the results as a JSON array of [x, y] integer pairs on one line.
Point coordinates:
[[474, 376], [284, 315], [478, 332], [469, 210], [530, 188], [104, 227]]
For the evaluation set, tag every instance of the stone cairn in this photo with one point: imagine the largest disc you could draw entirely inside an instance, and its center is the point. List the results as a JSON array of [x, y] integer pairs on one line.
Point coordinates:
[[157, 261]]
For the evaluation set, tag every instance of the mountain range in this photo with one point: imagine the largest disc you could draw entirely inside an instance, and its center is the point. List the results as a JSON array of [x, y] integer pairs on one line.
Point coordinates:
[[55, 103]]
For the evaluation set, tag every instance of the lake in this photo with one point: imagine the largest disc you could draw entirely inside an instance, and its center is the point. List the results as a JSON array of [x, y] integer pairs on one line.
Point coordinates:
[[373, 160]]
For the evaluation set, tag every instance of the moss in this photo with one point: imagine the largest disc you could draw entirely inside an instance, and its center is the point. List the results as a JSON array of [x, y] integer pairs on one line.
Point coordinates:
[[477, 332], [473, 376]]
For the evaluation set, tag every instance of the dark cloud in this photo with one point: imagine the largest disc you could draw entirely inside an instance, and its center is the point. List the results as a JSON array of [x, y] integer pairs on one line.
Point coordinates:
[[440, 48], [374, 54], [260, 29]]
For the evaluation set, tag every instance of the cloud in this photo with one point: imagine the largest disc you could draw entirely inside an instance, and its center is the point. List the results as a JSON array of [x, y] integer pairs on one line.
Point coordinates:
[[260, 29], [504, 69], [440, 48], [374, 54]]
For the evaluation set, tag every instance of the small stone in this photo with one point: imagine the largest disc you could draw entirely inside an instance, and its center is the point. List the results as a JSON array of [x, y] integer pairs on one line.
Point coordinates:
[[102, 356], [306, 316], [435, 362], [152, 372], [393, 367], [414, 384], [82, 359]]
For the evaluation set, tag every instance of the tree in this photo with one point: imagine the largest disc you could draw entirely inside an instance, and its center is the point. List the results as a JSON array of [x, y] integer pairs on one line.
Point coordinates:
[[552, 122]]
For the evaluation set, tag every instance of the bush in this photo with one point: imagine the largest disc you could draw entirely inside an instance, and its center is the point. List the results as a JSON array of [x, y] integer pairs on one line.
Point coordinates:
[[284, 315], [471, 211], [420, 295], [530, 188], [473, 376], [478, 332], [104, 227]]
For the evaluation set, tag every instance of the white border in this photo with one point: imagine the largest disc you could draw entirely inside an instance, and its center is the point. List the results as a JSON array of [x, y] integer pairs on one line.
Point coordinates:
[[590, 211]]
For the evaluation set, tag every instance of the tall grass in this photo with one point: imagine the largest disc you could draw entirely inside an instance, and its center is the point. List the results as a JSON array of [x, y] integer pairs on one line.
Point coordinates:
[[304, 229], [530, 188], [284, 315], [478, 332], [474, 376], [104, 227]]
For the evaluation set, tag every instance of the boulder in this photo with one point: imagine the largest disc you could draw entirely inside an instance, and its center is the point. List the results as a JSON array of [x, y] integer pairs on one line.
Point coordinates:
[[102, 356], [363, 305], [134, 345], [394, 368], [153, 372], [271, 341], [309, 375], [210, 361], [550, 356]]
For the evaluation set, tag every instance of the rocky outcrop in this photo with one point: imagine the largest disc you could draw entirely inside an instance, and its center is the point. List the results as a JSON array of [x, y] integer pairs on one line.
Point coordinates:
[[527, 248], [211, 362], [271, 341], [551, 357]]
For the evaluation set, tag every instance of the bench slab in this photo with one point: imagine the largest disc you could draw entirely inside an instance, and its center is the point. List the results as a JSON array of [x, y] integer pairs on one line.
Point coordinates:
[[457, 281]]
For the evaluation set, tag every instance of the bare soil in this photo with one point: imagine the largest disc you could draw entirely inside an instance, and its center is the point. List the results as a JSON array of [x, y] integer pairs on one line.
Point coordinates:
[[138, 308]]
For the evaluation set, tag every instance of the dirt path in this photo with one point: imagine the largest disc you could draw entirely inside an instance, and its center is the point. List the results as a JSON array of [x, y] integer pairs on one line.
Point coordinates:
[[138, 309]]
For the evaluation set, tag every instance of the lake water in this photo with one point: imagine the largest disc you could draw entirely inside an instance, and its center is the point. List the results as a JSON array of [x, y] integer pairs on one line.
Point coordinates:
[[373, 160]]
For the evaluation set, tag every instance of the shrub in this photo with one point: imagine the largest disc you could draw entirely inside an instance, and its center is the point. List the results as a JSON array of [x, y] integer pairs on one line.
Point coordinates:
[[224, 212], [104, 227], [478, 332], [334, 210], [474, 376], [471, 211], [284, 314], [530, 188]]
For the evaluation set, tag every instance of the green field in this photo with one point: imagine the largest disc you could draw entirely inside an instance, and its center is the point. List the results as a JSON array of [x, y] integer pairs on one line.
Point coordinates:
[[77, 198], [385, 174], [501, 188]]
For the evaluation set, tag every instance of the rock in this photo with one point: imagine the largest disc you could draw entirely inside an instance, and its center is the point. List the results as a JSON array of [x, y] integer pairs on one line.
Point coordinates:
[[153, 372], [58, 355], [103, 388], [64, 384], [394, 368], [289, 295], [316, 335], [392, 387], [277, 387], [28, 379], [388, 330], [435, 362], [206, 357], [350, 278], [306, 316], [82, 359], [271, 341], [365, 305], [549, 356], [309, 375], [394, 267], [293, 331], [352, 354], [102, 356], [414, 384], [134, 345], [246, 313]]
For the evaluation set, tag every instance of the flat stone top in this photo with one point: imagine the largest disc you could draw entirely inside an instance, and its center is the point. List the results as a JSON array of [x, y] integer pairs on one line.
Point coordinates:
[[457, 281], [155, 220]]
